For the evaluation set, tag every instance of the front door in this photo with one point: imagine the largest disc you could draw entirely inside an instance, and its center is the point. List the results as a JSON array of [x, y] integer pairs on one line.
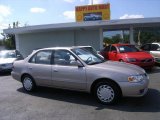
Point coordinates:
[[66, 74]]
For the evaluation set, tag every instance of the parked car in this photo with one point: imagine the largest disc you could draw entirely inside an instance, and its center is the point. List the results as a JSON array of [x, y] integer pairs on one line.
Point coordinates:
[[128, 53], [92, 16], [7, 57], [154, 50], [78, 69]]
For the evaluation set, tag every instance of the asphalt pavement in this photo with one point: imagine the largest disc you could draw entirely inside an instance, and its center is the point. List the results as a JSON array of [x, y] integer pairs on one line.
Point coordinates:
[[56, 104]]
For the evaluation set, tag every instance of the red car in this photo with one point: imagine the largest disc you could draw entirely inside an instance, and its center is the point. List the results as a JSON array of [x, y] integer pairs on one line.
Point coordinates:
[[128, 53]]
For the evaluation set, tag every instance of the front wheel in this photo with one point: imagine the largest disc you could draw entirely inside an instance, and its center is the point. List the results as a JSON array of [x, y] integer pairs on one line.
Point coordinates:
[[107, 92], [28, 83]]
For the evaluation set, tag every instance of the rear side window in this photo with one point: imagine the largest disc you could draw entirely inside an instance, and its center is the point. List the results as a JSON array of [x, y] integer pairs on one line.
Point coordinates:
[[42, 57]]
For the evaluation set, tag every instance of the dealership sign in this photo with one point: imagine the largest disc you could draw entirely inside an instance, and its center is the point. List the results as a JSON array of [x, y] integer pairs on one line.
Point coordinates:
[[92, 12]]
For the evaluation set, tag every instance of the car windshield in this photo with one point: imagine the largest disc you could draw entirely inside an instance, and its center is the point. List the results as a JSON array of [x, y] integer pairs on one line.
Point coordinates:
[[128, 48], [91, 49], [87, 56], [7, 54]]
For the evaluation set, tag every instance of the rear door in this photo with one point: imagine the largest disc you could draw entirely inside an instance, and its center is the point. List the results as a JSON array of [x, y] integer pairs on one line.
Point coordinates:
[[39, 67]]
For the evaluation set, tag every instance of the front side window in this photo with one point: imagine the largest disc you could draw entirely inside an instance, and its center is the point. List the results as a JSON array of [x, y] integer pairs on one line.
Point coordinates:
[[42, 57], [64, 57]]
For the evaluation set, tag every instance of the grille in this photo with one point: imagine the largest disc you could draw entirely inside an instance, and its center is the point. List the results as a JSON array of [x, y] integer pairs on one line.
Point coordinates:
[[146, 60]]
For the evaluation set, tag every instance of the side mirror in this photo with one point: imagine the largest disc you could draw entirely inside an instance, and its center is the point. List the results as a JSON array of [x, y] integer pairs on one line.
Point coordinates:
[[79, 64], [76, 63]]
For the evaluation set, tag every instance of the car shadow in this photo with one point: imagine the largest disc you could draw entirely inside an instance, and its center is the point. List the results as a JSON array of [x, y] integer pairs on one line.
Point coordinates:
[[154, 70], [5, 73], [148, 103]]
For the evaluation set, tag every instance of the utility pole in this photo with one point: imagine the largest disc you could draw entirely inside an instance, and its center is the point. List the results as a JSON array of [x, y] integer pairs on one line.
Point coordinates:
[[92, 2]]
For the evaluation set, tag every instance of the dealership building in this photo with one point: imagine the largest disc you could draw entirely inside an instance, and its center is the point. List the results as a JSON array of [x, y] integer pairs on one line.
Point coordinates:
[[84, 33]]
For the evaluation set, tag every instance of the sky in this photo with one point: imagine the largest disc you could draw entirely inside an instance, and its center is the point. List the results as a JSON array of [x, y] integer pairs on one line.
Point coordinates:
[[37, 12]]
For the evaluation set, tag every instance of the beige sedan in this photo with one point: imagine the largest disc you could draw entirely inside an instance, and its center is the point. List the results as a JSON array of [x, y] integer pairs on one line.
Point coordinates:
[[75, 68]]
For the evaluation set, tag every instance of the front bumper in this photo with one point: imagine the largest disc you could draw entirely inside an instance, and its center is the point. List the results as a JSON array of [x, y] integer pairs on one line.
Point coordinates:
[[134, 89]]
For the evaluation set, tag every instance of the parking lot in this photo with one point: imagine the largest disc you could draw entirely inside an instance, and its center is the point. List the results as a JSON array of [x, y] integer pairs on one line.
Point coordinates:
[[55, 104]]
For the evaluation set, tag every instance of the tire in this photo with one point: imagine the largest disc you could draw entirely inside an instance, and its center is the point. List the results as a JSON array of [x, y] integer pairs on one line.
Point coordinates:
[[28, 83], [107, 92]]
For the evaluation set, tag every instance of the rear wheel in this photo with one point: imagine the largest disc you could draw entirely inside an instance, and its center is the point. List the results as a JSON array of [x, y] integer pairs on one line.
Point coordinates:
[[107, 92], [28, 83]]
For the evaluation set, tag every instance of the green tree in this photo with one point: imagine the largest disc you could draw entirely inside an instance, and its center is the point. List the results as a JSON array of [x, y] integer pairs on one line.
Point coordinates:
[[9, 41], [148, 35]]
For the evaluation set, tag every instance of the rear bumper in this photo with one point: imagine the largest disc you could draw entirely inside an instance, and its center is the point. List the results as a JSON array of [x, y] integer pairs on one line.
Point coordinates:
[[16, 76]]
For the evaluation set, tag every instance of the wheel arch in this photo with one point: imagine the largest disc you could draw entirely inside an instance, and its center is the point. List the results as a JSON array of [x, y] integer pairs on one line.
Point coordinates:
[[24, 74], [104, 80]]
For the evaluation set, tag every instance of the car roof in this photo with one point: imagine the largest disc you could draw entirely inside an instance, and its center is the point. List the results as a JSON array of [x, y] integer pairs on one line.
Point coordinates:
[[80, 46], [62, 48], [54, 48]]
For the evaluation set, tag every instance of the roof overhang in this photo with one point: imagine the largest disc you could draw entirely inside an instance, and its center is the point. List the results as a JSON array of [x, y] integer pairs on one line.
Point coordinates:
[[107, 25]]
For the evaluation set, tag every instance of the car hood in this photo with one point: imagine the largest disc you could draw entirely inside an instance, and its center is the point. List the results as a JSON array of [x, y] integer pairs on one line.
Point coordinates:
[[120, 67], [7, 60], [137, 55]]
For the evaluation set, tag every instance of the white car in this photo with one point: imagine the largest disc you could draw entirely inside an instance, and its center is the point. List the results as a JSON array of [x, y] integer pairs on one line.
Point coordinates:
[[7, 57]]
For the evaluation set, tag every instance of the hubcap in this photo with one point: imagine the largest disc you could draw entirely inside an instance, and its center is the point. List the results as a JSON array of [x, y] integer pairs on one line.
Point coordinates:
[[27, 83], [105, 93]]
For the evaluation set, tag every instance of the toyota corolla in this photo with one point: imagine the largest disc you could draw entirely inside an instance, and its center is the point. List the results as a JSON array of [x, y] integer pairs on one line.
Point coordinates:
[[76, 68]]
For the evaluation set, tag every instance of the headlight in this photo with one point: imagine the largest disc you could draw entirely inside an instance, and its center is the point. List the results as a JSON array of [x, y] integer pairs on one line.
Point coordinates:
[[131, 60], [136, 78]]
